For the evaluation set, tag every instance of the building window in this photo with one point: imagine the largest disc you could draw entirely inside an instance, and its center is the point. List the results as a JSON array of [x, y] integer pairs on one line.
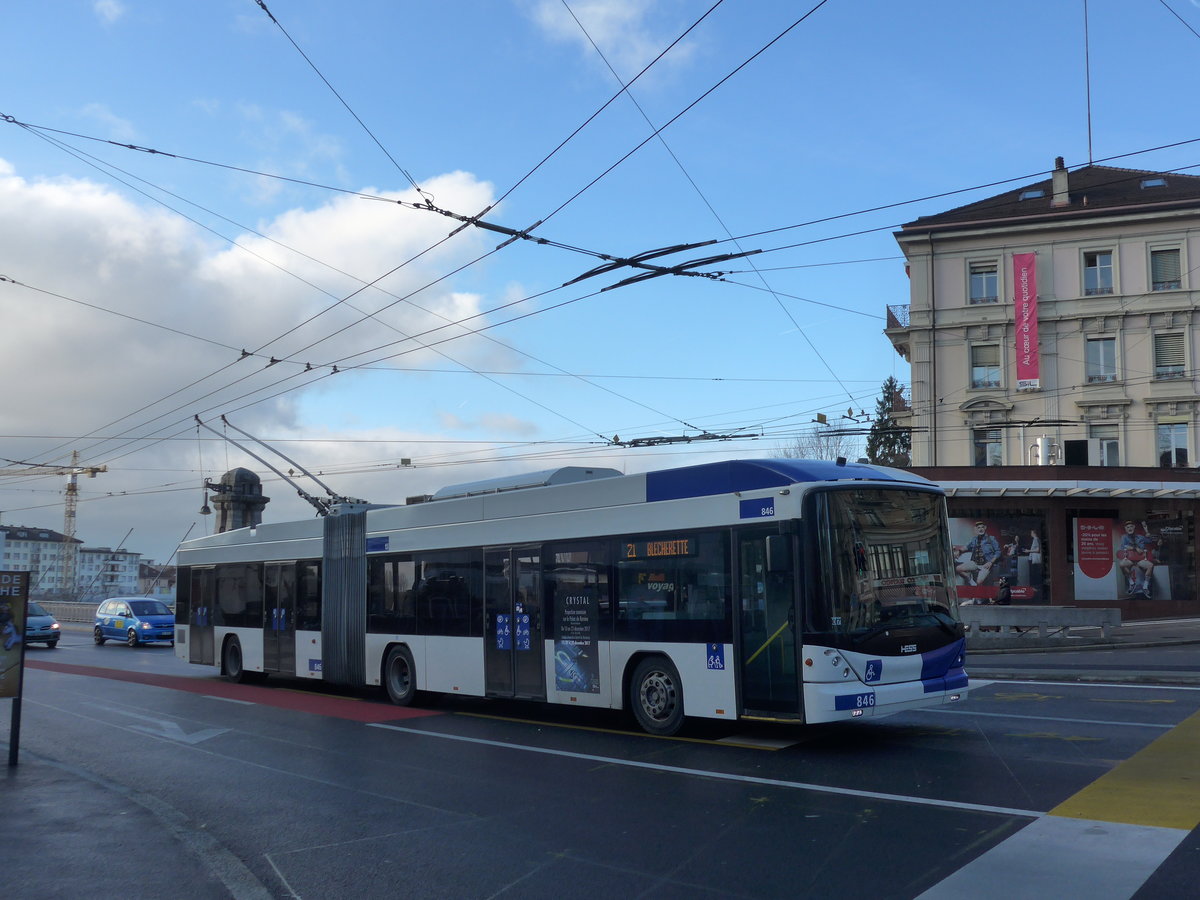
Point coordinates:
[[1109, 442], [1101, 359], [985, 366], [1168, 355], [1165, 270], [988, 447], [1172, 444], [984, 283], [1097, 273]]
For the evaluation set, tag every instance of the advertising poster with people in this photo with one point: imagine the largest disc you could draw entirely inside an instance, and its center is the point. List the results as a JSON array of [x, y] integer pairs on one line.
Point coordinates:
[[1137, 558], [14, 591], [999, 557]]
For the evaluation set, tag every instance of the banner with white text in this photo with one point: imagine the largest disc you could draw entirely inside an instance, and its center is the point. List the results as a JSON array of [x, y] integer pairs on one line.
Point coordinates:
[[1025, 308]]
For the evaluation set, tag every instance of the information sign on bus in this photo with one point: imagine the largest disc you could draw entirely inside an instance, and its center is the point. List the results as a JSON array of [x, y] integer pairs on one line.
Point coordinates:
[[659, 549]]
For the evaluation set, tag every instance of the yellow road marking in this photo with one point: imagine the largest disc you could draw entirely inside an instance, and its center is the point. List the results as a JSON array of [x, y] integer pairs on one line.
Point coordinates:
[[1027, 695], [1159, 785], [1054, 736], [1117, 700]]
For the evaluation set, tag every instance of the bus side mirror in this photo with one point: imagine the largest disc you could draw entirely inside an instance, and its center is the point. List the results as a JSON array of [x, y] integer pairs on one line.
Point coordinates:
[[779, 553]]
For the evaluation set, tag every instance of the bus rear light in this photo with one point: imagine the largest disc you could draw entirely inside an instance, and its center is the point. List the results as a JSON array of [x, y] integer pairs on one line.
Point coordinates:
[[719, 712], [808, 662], [954, 697], [855, 713], [846, 672]]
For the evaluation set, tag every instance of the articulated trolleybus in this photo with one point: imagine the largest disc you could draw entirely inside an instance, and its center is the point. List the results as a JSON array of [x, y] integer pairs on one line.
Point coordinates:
[[786, 590]]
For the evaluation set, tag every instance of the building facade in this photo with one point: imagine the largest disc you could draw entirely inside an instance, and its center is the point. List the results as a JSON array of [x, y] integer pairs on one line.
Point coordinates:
[[1054, 344], [100, 572]]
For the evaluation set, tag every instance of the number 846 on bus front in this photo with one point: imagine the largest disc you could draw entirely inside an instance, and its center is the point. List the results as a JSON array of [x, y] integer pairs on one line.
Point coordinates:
[[855, 701]]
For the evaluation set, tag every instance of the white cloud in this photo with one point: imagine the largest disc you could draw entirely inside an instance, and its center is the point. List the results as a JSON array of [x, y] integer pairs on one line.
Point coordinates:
[[622, 29], [108, 11], [83, 370]]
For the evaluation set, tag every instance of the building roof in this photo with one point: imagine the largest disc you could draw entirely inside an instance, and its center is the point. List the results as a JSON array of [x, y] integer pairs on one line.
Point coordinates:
[[33, 533], [1091, 190]]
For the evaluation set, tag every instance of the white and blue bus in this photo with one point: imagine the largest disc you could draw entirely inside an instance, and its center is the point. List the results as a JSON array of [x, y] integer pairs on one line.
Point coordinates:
[[776, 589]]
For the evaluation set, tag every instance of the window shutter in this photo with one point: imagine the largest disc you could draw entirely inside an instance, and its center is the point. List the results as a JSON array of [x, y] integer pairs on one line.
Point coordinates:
[[989, 354], [1168, 350], [1164, 267]]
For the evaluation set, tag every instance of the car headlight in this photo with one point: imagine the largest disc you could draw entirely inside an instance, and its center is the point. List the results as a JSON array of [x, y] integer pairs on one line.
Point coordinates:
[[54, 627]]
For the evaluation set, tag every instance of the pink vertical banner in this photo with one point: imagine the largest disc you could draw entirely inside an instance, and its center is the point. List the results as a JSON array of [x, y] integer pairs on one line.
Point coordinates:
[[1025, 307]]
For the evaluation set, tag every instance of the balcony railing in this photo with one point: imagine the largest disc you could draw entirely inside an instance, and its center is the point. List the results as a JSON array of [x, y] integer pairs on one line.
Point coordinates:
[[897, 316]]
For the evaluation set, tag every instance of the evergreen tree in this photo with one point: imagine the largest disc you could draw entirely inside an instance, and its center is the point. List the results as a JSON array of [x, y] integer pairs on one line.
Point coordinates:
[[887, 443]]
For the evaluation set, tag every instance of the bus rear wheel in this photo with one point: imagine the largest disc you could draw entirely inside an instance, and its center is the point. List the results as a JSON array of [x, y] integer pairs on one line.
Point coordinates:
[[399, 676], [656, 696], [232, 666]]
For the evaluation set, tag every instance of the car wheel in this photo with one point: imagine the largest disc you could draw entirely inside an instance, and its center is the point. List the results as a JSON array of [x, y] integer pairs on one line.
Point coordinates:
[[231, 661], [52, 644], [131, 638], [656, 696], [400, 677], [98, 636]]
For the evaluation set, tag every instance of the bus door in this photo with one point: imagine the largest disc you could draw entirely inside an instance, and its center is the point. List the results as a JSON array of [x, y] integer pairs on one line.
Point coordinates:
[[200, 630], [767, 612], [514, 646], [279, 615]]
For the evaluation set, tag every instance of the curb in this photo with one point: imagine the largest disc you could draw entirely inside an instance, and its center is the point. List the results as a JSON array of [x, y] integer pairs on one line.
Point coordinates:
[[1051, 648]]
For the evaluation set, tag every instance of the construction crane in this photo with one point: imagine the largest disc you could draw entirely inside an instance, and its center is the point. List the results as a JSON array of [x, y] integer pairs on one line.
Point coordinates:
[[73, 471]]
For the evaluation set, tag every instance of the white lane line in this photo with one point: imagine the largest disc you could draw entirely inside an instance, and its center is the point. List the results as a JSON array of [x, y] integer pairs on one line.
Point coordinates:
[[967, 712], [720, 776], [1094, 684], [229, 700], [1060, 857]]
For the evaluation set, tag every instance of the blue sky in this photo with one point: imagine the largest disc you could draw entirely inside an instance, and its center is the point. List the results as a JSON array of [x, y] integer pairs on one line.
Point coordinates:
[[139, 285]]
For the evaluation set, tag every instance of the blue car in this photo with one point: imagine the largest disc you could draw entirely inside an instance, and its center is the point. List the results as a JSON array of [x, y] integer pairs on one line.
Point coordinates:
[[40, 626], [134, 620]]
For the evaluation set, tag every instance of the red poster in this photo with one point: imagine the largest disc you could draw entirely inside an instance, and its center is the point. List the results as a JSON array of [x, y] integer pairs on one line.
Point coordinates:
[[1025, 308], [1093, 546]]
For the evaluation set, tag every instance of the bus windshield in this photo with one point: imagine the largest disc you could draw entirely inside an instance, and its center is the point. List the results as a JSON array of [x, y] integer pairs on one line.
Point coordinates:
[[885, 562]]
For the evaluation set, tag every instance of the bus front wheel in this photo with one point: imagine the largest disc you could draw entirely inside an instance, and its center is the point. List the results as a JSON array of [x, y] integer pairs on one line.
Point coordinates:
[[399, 676], [231, 661], [656, 696]]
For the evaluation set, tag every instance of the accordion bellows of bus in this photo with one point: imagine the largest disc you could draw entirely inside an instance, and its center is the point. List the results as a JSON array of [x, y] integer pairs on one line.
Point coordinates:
[[779, 589]]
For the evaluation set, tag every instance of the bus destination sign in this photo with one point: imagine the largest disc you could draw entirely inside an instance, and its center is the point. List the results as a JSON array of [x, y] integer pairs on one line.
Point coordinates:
[[659, 548]]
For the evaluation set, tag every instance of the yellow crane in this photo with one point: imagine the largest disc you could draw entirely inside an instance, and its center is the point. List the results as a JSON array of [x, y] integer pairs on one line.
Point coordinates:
[[73, 471]]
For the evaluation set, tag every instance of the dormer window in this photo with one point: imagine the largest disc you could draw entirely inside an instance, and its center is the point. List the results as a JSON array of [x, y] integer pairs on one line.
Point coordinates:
[[1153, 183], [1031, 194]]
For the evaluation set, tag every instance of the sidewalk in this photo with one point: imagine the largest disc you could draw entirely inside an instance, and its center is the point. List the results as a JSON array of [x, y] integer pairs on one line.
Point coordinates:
[[1140, 633], [1163, 652]]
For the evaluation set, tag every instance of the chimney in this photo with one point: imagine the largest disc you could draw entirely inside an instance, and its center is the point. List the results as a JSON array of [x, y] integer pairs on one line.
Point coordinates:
[[1061, 197]]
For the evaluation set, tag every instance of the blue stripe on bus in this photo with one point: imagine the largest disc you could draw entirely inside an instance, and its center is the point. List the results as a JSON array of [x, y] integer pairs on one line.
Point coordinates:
[[953, 681], [751, 475], [936, 663]]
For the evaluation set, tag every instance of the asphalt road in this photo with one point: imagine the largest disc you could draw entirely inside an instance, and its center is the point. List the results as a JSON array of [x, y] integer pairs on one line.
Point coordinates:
[[281, 790]]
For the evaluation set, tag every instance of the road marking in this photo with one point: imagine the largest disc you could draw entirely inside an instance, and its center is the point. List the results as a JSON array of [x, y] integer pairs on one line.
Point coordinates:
[[1095, 684], [230, 700], [968, 712], [719, 776], [165, 729], [747, 743], [1057, 857], [1054, 736], [1102, 843], [1156, 786], [1125, 700]]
